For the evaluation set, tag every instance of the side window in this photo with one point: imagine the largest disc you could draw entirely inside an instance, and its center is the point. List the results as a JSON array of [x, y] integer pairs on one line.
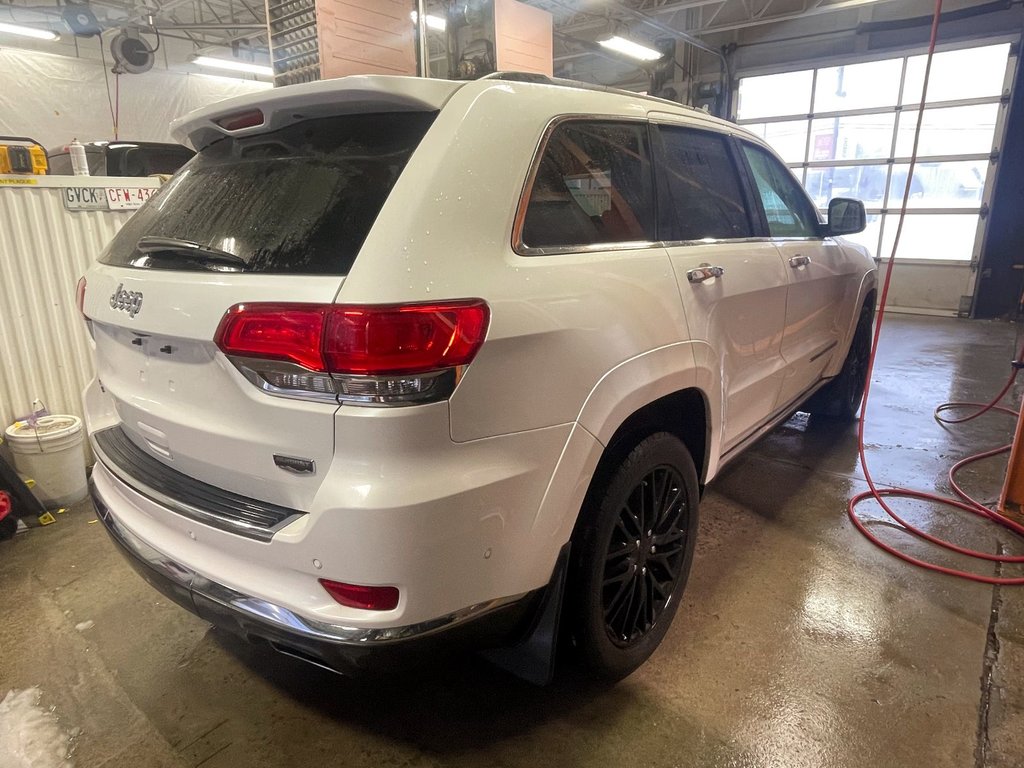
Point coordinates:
[[593, 185], [704, 195], [789, 212]]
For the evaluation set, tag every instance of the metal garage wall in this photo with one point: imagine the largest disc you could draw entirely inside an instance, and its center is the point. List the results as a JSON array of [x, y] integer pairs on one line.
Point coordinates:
[[44, 249]]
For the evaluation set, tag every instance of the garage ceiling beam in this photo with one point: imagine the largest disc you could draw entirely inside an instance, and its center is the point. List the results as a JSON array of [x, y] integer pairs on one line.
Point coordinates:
[[643, 18], [814, 9], [741, 10]]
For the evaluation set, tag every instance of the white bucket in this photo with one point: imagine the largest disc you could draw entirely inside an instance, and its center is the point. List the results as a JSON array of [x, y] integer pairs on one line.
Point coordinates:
[[51, 453]]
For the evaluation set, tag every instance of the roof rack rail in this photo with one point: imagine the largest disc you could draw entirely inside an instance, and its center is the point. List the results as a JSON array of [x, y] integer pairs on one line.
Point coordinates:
[[534, 77]]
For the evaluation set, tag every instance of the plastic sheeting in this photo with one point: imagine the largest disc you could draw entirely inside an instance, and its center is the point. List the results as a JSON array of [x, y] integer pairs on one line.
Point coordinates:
[[55, 99]]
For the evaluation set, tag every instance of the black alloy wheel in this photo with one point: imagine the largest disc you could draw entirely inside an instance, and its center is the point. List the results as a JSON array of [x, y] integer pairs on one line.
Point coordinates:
[[644, 556], [631, 555]]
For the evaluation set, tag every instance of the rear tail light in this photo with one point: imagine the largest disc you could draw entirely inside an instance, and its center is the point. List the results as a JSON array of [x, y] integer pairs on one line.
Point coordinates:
[[80, 301], [80, 295], [382, 355], [357, 596]]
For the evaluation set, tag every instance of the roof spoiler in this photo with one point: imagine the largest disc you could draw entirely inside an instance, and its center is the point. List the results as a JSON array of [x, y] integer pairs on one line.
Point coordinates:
[[324, 98]]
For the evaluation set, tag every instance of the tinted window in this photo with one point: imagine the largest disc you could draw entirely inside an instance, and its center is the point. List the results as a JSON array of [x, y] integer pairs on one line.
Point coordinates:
[[146, 159], [593, 185], [60, 164], [789, 212], [299, 200], [704, 196]]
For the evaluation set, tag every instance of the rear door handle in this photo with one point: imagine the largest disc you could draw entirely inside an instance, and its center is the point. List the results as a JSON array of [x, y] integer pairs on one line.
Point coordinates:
[[799, 261], [704, 272]]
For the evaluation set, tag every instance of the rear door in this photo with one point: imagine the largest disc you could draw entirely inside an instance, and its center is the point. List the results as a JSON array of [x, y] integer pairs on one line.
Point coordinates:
[[272, 217], [732, 284], [820, 276]]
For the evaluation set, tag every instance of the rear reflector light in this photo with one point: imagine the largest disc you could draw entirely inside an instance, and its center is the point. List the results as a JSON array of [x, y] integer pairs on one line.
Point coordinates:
[[249, 119], [389, 354], [357, 596]]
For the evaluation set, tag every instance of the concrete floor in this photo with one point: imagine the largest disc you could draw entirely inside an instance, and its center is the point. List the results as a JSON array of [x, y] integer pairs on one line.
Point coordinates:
[[798, 643]]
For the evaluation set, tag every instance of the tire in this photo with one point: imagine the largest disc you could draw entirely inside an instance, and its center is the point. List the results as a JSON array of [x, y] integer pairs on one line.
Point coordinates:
[[630, 562], [840, 398]]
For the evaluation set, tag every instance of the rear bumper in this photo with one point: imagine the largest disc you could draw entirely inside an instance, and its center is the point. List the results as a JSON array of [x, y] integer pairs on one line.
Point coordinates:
[[336, 647]]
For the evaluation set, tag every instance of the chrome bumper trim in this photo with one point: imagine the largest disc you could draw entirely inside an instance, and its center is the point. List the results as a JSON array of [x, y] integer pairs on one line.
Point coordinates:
[[186, 581]]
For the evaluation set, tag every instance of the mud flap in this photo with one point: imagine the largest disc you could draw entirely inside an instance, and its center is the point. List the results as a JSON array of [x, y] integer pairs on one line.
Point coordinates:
[[533, 658]]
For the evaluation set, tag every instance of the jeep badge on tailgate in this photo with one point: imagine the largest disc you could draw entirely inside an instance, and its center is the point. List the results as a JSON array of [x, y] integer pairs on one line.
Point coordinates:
[[126, 301]]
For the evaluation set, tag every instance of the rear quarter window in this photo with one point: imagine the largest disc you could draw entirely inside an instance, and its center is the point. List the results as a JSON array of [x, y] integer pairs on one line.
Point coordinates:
[[593, 185], [299, 200]]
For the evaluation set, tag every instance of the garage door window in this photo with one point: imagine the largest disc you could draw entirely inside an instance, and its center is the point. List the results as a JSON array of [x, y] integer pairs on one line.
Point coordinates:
[[593, 186], [847, 131]]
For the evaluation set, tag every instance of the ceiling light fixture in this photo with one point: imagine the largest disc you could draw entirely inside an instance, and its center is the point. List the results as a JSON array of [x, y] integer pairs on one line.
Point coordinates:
[[234, 66], [433, 22], [630, 49], [38, 34]]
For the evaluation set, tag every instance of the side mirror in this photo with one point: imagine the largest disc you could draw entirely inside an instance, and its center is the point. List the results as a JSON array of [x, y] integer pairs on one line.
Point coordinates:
[[846, 216]]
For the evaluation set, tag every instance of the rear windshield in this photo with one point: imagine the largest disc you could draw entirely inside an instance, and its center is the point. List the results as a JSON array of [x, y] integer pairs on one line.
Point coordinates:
[[299, 200]]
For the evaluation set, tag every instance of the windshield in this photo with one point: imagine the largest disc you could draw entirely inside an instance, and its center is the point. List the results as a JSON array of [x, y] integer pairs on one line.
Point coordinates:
[[299, 200]]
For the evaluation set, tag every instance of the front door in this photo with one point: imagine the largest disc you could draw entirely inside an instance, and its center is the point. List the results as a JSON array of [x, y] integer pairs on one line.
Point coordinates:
[[820, 276]]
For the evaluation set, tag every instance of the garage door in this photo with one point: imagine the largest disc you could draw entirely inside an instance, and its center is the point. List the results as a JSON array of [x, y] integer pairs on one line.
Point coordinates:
[[848, 130]]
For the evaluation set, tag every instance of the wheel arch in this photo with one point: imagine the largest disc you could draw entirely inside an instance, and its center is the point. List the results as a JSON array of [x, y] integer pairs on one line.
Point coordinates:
[[867, 294], [685, 413], [665, 390]]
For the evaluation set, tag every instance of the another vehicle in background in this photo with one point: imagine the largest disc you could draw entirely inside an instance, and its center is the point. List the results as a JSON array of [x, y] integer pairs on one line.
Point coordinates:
[[123, 158]]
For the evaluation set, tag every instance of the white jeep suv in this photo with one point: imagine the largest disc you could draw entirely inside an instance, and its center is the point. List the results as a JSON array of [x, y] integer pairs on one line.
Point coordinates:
[[397, 358]]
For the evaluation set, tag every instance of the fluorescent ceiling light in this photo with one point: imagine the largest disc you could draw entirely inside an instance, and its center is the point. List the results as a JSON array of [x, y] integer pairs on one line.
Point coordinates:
[[433, 22], [38, 34], [631, 49], [234, 66]]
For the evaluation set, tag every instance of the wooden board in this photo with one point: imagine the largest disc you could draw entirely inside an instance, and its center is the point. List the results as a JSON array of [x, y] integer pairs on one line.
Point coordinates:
[[365, 37], [523, 38]]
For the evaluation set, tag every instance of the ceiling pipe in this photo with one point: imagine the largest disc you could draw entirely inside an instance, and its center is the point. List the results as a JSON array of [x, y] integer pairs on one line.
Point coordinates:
[[423, 47], [210, 25]]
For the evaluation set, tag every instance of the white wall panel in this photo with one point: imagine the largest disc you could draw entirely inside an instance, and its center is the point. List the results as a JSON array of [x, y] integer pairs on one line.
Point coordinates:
[[45, 351], [55, 99]]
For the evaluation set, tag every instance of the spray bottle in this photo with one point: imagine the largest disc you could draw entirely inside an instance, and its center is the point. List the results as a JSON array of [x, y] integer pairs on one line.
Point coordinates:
[[79, 162]]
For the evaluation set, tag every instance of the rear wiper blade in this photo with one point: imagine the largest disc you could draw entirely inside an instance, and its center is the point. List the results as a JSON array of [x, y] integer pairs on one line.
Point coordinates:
[[200, 253]]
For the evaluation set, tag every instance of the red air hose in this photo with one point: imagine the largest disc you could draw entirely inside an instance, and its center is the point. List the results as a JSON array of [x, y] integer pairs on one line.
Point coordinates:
[[964, 502]]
